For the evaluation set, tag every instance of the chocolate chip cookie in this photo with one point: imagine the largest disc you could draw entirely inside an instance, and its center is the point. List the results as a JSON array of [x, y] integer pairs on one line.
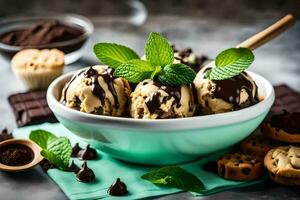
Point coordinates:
[[240, 166], [258, 144], [283, 164], [284, 161], [283, 127]]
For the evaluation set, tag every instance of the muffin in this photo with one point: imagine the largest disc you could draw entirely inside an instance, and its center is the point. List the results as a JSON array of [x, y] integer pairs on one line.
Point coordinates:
[[38, 68]]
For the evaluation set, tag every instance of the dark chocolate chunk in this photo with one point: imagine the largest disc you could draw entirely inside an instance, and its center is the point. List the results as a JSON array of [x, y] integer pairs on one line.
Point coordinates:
[[286, 121], [75, 150], [4, 135], [118, 188], [285, 99], [31, 108], [85, 174], [246, 171], [72, 167], [88, 153]]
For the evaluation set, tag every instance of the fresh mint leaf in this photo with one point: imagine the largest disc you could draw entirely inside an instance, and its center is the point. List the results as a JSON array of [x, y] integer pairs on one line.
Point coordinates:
[[41, 137], [114, 55], [158, 50], [135, 71], [56, 150], [59, 151], [174, 176], [231, 62], [176, 75]]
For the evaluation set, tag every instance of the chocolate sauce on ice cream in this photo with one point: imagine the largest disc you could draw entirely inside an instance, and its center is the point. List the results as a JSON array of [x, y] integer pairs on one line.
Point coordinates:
[[230, 90], [43, 33], [97, 89], [153, 102]]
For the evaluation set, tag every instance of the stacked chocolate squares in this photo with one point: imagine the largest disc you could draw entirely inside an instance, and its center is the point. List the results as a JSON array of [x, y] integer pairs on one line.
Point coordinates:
[[31, 108]]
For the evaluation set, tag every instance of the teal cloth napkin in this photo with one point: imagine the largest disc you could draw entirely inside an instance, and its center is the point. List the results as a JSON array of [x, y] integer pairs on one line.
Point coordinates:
[[108, 169]]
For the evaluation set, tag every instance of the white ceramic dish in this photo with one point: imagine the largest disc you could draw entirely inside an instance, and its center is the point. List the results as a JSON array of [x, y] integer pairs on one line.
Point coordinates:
[[164, 141]]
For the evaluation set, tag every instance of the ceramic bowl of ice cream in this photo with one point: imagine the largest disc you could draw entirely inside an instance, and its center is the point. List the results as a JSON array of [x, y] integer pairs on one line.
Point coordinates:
[[162, 141]]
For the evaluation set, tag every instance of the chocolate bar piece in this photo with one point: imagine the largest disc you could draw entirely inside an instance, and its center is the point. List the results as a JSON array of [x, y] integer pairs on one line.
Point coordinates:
[[286, 99], [31, 108]]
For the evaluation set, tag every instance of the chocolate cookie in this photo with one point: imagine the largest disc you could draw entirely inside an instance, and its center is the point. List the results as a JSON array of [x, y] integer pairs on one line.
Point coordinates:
[[240, 166], [283, 127], [284, 162], [258, 144]]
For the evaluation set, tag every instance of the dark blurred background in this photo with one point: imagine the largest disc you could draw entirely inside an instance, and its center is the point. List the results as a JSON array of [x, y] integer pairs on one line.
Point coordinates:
[[225, 9], [207, 26]]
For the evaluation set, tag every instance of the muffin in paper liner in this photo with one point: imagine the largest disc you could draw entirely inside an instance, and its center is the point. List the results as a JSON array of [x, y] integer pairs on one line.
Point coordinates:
[[38, 68]]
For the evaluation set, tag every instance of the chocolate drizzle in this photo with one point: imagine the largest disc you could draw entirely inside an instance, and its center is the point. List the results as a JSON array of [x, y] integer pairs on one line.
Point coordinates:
[[286, 121], [97, 90], [230, 89], [68, 85], [153, 102]]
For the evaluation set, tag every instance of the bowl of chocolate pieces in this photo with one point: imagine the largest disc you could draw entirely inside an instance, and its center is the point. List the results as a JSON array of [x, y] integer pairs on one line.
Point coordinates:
[[68, 33]]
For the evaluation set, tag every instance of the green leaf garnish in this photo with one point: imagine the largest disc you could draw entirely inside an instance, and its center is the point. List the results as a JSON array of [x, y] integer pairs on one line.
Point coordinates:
[[174, 176], [158, 50], [114, 55], [230, 62], [57, 150], [176, 74], [135, 71], [158, 64], [41, 137]]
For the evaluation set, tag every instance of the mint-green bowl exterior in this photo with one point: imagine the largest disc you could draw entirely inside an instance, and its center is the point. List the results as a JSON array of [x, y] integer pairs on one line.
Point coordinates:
[[162, 142]]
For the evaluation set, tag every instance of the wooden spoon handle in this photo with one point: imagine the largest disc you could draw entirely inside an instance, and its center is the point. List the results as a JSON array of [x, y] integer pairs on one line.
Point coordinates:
[[269, 33]]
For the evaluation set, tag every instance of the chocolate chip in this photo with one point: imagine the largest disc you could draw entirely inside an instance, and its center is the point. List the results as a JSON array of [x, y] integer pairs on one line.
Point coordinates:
[[4, 135], [85, 174], [75, 150], [88, 153], [118, 188], [72, 167], [246, 171]]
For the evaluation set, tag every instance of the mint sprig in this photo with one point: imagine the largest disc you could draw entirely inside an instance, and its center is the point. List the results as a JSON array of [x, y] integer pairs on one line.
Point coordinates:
[[176, 74], [57, 150], [174, 176], [158, 65], [114, 55], [158, 50], [230, 63], [135, 70]]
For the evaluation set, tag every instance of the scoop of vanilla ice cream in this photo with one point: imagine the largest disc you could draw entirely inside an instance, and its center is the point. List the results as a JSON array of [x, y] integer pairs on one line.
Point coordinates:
[[150, 100], [219, 96], [95, 90]]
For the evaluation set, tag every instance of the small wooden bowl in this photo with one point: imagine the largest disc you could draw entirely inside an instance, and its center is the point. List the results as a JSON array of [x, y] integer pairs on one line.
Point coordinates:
[[37, 158]]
